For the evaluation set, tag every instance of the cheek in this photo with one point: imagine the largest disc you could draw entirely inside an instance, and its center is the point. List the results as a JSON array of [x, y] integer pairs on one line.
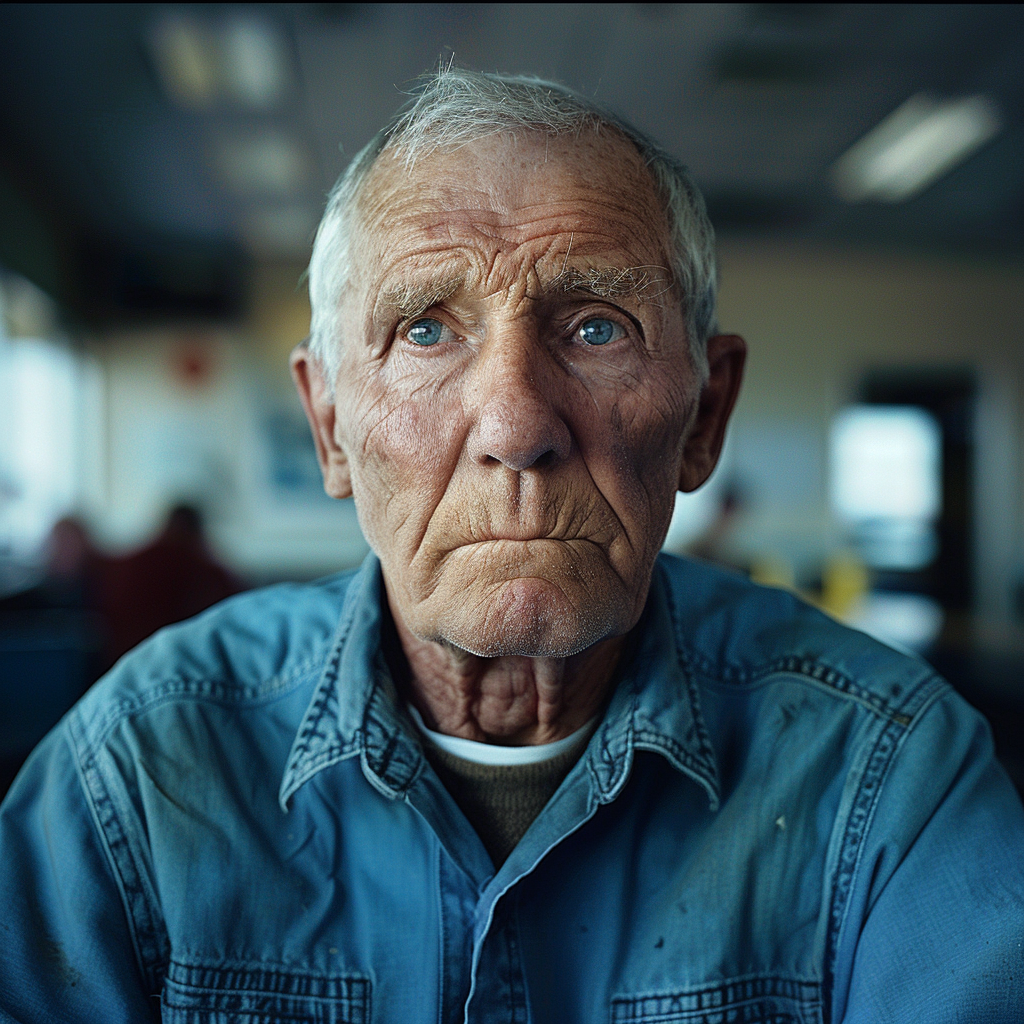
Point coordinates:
[[643, 431], [402, 440]]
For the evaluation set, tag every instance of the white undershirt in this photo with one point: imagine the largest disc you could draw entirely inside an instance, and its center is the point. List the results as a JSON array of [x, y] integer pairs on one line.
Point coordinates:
[[495, 754]]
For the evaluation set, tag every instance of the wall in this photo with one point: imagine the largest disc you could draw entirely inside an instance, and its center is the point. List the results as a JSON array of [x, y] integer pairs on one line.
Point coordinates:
[[210, 416], [815, 320]]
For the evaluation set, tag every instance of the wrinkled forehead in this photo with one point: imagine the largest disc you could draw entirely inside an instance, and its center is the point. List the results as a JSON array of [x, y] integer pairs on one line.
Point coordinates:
[[507, 206]]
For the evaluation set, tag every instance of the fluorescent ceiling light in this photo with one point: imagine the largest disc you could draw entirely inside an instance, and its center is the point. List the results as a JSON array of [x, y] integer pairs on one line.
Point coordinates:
[[916, 144], [281, 231], [186, 59], [253, 62], [243, 60], [269, 164]]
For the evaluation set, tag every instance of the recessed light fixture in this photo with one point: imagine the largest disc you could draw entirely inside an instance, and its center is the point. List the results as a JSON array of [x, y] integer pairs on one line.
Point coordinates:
[[185, 51], [242, 59], [915, 145], [254, 64], [268, 164]]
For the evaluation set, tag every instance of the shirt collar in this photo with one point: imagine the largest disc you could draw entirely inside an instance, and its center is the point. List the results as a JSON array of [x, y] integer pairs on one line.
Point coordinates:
[[355, 707], [330, 730], [656, 705]]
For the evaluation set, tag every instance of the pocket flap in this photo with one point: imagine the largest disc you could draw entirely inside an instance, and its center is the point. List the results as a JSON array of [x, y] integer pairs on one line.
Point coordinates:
[[752, 1000], [197, 993]]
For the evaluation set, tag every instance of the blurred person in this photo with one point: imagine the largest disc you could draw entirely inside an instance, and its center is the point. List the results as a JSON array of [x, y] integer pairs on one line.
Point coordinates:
[[74, 565], [173, 578], [73, 569], [518, 766], [714, 543], [63, 609]]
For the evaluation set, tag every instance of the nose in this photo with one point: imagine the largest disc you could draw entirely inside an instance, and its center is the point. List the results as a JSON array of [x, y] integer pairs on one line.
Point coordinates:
[[517, 422]]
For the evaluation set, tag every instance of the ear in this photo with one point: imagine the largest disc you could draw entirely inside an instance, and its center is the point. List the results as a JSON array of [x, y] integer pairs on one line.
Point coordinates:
[[321, 413], [727, 354]]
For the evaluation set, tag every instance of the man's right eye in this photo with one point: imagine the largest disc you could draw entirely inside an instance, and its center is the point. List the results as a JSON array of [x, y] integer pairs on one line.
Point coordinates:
[[428, 331]]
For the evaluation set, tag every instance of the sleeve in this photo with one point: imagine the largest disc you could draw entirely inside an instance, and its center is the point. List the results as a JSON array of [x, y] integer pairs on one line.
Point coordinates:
[[935, 925], [66, 950]]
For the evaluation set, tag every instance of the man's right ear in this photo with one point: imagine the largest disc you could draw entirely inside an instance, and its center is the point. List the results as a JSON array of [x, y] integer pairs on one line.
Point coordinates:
[[320, 411]]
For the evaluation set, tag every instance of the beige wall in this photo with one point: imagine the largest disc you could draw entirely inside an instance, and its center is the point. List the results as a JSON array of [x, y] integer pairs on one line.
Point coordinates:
[[211, 439], [816, 319]]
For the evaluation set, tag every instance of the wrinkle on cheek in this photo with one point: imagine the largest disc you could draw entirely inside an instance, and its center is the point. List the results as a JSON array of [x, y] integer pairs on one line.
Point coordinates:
[[405, 439], [645, 434], [403, 413]]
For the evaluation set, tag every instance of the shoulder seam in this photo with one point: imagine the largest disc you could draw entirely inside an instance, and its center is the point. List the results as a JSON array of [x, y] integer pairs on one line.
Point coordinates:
[[216, 686], [213, 689], [817, 674], [861, 813], [810, 667], [144, 920]]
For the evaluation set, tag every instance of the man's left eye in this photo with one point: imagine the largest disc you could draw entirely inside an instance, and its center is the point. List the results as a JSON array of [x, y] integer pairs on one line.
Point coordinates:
[[600, 331]]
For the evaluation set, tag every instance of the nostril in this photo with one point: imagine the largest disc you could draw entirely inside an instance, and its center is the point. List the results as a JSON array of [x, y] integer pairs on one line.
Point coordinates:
[[523, 459], [518, 454]]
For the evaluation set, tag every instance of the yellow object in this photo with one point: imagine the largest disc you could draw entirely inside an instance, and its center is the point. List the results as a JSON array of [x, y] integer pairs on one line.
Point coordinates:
[[844, 584], [773, 570]]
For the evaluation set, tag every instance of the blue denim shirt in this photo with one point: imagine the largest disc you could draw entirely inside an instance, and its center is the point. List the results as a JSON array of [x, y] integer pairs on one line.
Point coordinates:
[[778, 819]]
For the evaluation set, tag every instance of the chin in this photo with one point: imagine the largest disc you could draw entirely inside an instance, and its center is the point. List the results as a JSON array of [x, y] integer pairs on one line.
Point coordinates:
[[529, 618]]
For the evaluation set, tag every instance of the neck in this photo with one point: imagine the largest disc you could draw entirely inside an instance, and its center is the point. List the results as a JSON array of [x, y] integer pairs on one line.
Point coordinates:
[[515, 701]]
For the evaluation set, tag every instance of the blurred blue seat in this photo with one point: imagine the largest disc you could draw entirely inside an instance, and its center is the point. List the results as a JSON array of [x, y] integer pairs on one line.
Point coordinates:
[[46, 658]]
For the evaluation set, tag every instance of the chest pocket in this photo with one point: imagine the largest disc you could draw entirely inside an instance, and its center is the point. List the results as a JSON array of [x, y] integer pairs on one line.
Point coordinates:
[[207, 994], [752, 1000]]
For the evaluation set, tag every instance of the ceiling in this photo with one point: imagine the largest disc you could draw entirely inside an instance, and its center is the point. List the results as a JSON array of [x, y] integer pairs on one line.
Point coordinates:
[[127, 204]]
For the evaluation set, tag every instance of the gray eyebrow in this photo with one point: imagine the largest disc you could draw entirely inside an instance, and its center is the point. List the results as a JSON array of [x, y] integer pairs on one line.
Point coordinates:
[[408, 300], [610, 282]]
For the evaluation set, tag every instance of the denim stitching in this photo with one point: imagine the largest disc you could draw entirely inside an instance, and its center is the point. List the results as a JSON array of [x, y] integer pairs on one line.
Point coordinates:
[[149, 936], [259, 976], [321, 717], [264, 989], [802, 666], [703, 739], [318, 725], [208, 689], [726, 1001], [860, 815], [610, 767], [392, 766], [515, 985], [706, 774]]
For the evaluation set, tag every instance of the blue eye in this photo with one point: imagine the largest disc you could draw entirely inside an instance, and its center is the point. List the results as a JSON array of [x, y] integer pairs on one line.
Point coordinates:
[[600, 331], [426, 332]]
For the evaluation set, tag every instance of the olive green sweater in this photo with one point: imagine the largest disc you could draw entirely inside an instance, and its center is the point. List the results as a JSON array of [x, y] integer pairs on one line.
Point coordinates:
[[501, 801]]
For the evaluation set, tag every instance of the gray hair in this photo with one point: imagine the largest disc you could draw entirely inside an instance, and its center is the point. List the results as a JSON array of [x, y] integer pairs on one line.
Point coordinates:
[[456, 107]]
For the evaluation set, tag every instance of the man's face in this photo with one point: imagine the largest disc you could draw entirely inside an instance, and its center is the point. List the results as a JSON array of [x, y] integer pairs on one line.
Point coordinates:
[[515, 391]]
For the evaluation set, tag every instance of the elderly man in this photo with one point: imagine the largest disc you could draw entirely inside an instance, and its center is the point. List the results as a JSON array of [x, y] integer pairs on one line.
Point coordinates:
[[518, 767]]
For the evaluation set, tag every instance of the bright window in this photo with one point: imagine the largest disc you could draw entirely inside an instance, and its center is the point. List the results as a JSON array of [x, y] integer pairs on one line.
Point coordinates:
[[42, 389], [886, 482]]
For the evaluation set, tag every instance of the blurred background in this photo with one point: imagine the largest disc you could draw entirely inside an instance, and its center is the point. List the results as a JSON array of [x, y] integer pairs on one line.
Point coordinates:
[[163, 169]]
